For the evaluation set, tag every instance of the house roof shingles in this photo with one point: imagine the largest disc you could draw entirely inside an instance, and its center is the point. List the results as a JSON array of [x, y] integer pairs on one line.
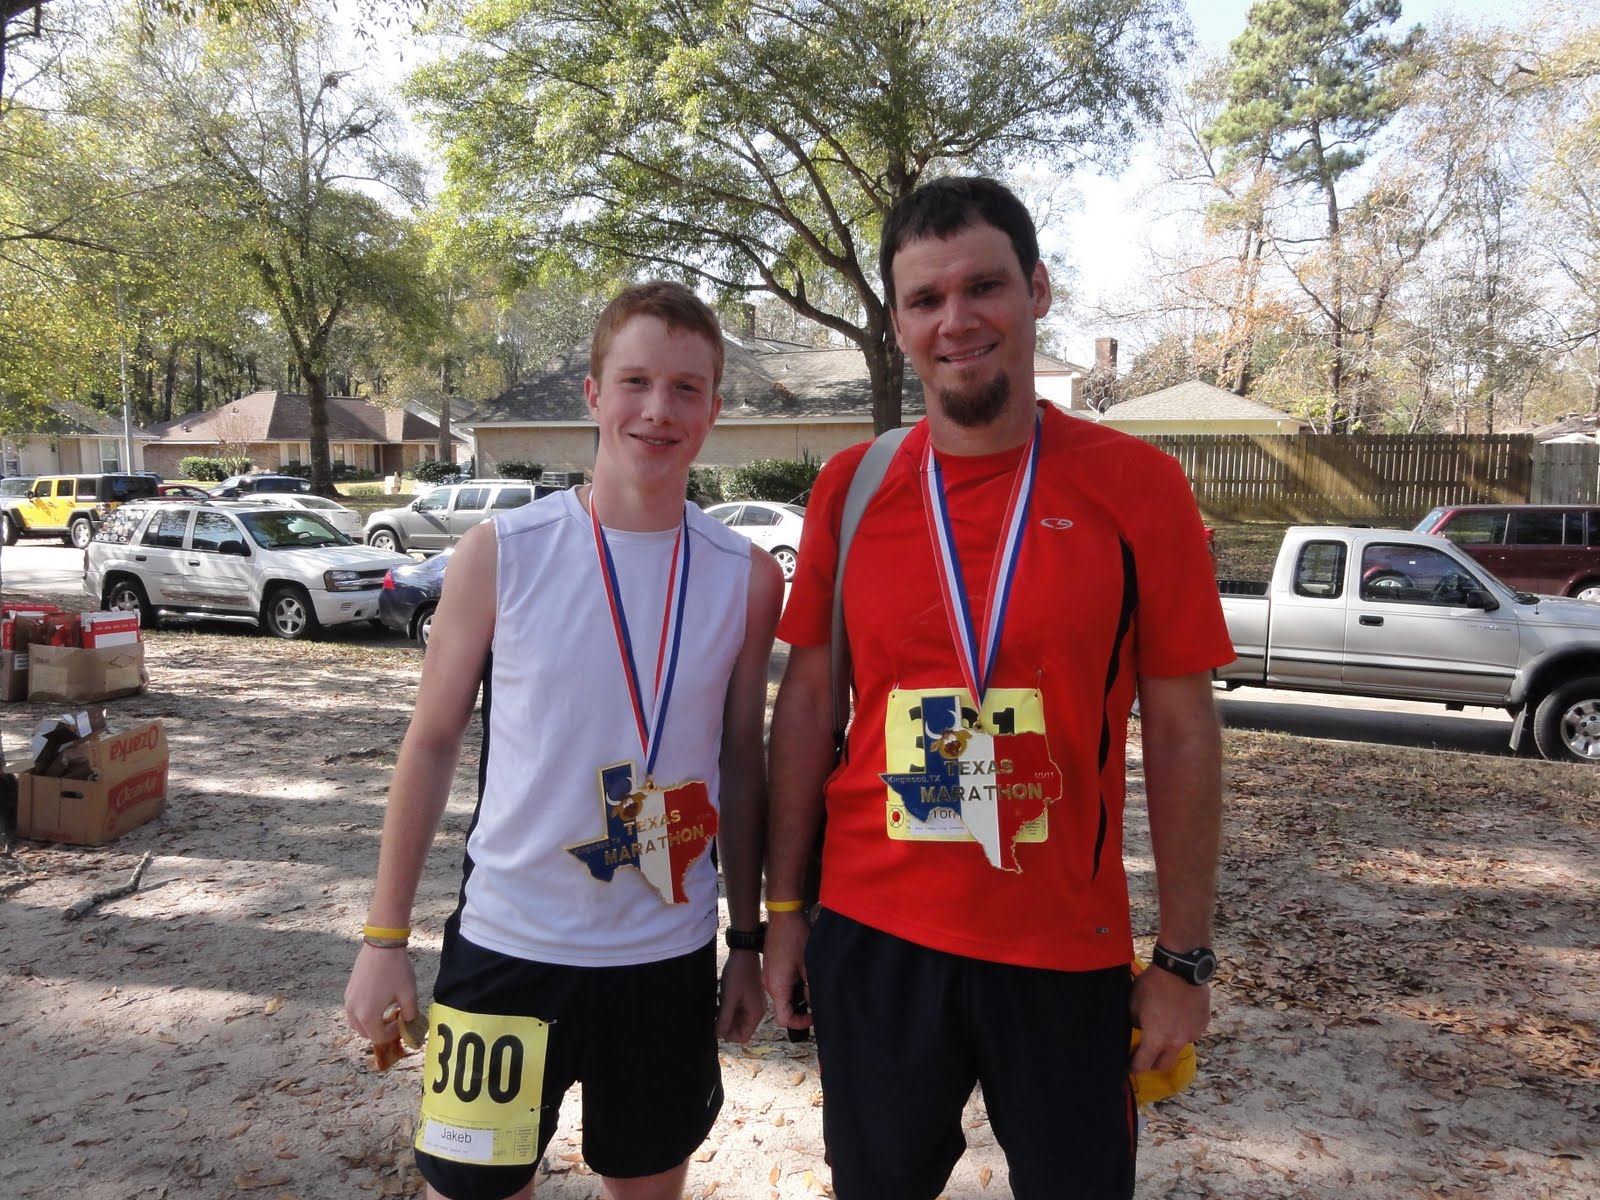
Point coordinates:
[[68, 418], [759, 380], [286, 417], [1193, 400]]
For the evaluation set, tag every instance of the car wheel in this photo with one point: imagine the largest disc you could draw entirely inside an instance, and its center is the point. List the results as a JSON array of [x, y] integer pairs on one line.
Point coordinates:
[[9, 529], [80, 532], [1566, 725], [287, 613], [423, 626], [786, 559], [1589, 589], [124, 594], [384, 539]]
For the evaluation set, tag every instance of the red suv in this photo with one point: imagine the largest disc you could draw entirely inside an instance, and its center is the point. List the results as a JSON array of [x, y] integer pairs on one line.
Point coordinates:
[[1551, 549]]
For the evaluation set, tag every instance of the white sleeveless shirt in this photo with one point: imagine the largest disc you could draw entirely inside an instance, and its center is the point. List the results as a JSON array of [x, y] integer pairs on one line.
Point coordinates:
[[559, 711]]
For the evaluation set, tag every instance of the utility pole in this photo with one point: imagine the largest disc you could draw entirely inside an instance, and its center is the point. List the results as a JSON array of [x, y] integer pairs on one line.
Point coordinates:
[[122, 373]]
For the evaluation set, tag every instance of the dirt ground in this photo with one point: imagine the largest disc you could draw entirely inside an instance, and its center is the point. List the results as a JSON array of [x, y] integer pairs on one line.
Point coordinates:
[[1411, 941]]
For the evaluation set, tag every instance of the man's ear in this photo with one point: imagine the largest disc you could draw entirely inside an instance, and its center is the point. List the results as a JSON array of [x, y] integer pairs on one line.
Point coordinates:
[[591, 396], [1040, 286], [716, 406]]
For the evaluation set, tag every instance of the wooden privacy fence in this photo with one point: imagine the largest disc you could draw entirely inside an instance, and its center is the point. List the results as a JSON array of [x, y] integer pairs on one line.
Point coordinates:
[[1378, 478], [1566, 473]]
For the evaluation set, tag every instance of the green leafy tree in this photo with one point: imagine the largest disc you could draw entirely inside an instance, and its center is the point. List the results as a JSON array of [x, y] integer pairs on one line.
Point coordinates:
[[295, 154], [756, 148], [1310, 84]]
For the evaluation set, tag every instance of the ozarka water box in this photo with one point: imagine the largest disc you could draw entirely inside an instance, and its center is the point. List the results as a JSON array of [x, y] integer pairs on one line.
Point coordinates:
[[127, 787]]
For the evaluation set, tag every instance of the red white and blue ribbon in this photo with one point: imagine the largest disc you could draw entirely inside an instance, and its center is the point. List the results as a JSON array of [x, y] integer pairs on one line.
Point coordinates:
[[653, 721], [977, 658]]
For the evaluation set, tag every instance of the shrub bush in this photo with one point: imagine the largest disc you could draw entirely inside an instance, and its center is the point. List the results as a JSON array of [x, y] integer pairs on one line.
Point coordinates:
[[433, 472], [518, 468], [361, 489], [705, 486], [780, 480], [199, 466]]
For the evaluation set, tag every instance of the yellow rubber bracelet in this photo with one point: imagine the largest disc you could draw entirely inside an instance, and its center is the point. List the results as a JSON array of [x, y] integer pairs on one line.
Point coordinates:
[[385, 943], [785, 905], [379, 931]]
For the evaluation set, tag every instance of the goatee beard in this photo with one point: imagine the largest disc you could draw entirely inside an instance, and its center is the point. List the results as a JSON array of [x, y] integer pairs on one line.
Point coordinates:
[[979, 407]]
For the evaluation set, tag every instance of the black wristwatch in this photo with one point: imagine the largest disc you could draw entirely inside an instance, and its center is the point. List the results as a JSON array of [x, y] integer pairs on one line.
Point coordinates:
[[746, 939], [1197, 966]]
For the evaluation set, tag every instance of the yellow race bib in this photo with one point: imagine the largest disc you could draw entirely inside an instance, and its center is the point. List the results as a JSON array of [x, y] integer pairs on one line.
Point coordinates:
[[481, 1084]]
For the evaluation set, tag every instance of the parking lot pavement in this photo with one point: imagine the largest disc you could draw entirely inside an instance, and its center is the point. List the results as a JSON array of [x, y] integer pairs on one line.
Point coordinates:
[[41, 570]]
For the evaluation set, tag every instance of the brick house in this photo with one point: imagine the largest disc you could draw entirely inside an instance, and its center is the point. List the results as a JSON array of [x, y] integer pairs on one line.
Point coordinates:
[[74, 438], [273, 430]]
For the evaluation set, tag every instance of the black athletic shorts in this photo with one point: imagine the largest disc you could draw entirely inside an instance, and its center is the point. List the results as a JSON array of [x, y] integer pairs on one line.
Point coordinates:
[[641, 1039], [903, 1033]]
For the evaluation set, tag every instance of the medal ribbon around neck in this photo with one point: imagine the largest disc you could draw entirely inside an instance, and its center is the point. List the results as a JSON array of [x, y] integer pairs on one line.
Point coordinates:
[[651, 724], [977, 661]]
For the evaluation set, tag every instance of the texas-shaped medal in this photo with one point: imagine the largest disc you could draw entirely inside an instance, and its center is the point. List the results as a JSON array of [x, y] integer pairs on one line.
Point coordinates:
[[995, 783], [661, 832]]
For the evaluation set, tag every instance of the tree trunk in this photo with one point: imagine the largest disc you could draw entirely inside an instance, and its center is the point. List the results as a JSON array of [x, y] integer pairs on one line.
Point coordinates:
[[446, 450], [886, 368], [169, 383], [317, 402]]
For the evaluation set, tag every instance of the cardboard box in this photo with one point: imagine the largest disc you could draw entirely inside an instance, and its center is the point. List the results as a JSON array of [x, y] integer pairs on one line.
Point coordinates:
[[70, 675], [13, 675], [128, 788], [102, 629]]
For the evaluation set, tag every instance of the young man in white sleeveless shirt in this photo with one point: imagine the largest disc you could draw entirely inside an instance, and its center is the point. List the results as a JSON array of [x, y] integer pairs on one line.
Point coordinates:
[[622, 640]]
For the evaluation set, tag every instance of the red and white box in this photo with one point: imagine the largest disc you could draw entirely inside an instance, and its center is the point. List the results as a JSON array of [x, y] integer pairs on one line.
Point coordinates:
[[8, 619], [102, 629]]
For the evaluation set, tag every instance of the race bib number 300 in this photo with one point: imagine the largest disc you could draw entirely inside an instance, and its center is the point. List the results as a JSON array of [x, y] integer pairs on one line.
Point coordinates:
[[481, 1085]]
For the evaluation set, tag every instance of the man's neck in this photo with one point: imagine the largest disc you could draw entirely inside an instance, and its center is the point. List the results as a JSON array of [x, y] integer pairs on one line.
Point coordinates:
[[1007, 431], [623, 504]]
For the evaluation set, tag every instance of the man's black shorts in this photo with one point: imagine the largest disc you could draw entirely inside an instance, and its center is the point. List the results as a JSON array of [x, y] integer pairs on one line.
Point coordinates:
[[903, 1033], [641, 1039]]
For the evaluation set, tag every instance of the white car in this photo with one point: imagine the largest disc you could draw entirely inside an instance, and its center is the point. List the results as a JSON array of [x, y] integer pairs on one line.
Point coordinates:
[[285, 568], [346, 520], [774, 527]]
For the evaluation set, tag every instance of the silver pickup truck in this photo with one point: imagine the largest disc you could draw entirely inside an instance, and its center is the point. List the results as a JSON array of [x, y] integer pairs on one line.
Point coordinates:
[[1378, 612]]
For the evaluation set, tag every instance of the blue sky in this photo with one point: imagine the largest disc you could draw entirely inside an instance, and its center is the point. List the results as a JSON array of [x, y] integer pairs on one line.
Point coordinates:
[[1104, 235]]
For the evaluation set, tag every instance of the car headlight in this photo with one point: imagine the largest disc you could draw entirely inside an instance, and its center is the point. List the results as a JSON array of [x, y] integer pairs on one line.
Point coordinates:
[[342, 581]]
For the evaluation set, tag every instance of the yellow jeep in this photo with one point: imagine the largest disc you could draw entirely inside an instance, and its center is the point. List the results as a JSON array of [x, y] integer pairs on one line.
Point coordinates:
[[69, 506]]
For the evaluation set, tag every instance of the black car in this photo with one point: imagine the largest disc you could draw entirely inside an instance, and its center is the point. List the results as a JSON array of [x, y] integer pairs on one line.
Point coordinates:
[[247, 485], [410, 595]]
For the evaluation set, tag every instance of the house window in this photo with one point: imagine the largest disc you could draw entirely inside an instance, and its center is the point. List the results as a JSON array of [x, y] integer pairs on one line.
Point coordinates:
[[338, 449], [110, 454]]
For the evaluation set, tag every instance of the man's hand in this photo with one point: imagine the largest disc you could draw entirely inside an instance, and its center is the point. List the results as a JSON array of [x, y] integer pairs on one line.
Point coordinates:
[[1169, 1012], [381, 977], [784, 966], [741, 1005]]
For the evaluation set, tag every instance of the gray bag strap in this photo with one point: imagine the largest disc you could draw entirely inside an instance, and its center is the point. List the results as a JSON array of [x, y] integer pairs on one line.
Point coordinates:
[[863, 486]]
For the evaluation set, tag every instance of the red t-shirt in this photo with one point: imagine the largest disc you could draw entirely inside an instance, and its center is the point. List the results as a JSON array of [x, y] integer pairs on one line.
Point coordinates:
[[1113, 581]]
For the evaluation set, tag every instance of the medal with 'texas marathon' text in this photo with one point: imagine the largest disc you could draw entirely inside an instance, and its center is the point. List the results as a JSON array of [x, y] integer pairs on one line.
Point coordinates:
[[659, 832], [988, 778]]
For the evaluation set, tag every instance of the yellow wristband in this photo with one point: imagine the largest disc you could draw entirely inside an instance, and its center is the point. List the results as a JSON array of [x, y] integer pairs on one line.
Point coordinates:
[[774, 906], [379, 931]]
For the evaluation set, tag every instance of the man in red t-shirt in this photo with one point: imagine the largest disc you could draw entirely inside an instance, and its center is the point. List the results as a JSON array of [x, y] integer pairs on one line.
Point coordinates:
[[1017, 576]]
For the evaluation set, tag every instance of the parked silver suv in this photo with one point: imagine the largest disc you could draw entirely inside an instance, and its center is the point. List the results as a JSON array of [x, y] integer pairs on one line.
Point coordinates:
[[436, 521]]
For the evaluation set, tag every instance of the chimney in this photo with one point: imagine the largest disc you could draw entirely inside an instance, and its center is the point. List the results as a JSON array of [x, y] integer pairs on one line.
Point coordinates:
[[1105, 356]]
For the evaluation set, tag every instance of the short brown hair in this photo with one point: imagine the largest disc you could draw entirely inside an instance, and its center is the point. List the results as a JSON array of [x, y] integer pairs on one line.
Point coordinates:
[[674, 305]]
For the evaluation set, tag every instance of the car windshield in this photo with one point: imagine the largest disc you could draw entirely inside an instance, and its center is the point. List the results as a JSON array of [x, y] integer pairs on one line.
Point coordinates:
[[318, 502], [795, 509], [291, 529], [16, 486], [281, 483]]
